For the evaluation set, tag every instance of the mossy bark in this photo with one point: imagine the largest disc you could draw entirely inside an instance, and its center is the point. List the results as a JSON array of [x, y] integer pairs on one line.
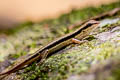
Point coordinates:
[[75, 61]]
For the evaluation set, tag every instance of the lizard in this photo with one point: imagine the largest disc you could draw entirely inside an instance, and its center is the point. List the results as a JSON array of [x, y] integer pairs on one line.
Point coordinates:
[[51, 48]]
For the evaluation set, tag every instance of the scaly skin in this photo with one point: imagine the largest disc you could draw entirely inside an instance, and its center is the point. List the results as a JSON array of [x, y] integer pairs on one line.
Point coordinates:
[[56, 45]]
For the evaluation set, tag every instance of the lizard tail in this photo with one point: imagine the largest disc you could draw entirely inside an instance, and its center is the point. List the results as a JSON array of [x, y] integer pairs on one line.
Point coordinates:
[[3, 73]]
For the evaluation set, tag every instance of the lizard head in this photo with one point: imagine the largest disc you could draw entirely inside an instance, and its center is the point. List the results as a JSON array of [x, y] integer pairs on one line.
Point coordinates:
[[92, 22], [89, 26]]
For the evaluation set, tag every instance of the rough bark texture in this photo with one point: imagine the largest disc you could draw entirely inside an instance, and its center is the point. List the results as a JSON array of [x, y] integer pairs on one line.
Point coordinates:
[[97, 59]]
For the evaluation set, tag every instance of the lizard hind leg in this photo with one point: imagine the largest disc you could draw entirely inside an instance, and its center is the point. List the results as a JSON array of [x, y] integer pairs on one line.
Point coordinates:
[[43, 57]]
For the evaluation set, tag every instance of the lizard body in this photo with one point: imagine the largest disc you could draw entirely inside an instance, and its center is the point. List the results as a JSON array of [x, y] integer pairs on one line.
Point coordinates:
[[56, 45]]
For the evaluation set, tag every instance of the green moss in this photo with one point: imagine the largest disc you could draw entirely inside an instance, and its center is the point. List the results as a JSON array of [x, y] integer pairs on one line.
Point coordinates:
[[70, 18], [116, 73], [75, 59], [17, 55], [18, 27], [109, 26]]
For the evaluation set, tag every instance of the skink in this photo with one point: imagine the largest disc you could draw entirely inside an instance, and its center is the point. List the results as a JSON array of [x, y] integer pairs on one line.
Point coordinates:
[[56, 45]]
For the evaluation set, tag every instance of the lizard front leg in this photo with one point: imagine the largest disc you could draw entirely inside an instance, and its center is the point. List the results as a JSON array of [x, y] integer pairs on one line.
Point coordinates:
[[76, 41]]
